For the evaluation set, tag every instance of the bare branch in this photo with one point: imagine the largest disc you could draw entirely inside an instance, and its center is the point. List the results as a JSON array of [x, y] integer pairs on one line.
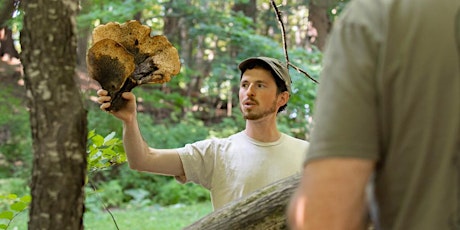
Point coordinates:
[[283, 33], [303, 71], [283, 30]]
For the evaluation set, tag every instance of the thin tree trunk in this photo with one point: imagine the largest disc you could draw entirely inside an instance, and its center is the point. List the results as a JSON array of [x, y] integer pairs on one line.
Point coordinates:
[[320, 21], [7, 43], [58, 119], [6, 35]]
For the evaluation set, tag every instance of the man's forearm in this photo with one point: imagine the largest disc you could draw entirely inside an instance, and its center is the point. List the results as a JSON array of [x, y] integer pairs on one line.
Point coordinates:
[[331, 195], [135, 147]]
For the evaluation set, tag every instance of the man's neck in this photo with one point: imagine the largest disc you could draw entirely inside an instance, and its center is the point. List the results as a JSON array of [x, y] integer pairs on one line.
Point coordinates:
[[264, 129]]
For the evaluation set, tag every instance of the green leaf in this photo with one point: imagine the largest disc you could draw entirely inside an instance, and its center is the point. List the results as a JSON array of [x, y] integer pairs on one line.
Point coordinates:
[[98, 140], [109, 137], [26, 199], [6, 215], [111, 142], [91, 134], [3, 226], [12, 196], [19, 206], [108, 153]]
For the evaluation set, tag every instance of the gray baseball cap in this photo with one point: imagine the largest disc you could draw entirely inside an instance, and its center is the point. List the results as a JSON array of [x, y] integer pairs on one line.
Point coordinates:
[[277, 66]]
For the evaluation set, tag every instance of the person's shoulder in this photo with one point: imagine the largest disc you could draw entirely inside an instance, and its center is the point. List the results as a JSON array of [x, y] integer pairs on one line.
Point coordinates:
[[225, 140], [235, 136], [295, 139], [360, 11]]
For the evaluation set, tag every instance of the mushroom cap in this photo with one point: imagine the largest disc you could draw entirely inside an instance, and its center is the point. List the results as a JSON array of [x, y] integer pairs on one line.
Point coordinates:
[[109, 58], [160, 49], [128, 34], [155, 58]]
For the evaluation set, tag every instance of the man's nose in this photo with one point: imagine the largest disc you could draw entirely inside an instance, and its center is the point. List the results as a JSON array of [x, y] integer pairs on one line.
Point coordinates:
[[250, 91]]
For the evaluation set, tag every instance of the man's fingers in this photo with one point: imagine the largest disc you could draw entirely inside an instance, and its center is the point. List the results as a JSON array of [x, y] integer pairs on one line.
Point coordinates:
[[102, 92], [103, 99], [105, 106], [128, 95]]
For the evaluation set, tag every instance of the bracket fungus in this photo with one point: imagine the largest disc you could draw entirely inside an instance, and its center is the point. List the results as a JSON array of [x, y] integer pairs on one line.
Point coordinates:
[[124, 56]]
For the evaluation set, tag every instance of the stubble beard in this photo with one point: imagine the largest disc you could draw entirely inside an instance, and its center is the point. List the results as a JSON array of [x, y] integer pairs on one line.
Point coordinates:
[[251, 114]]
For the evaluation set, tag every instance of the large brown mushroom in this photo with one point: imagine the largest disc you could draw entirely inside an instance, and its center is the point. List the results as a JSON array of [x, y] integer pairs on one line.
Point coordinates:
[[124, 56]]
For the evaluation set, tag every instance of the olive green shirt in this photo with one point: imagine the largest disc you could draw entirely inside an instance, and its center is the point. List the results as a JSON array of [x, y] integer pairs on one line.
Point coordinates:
[[390, 92]]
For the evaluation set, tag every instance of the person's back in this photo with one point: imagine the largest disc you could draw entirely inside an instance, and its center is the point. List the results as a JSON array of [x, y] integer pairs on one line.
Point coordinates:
[[418, 90], [393, 68]]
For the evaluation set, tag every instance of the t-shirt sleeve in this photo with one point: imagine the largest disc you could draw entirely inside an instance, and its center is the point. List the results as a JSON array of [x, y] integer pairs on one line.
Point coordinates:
[[198, 161], [346, 117]]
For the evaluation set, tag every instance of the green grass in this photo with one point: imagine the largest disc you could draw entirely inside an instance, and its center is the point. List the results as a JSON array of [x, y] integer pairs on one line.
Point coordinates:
[[146, 218]]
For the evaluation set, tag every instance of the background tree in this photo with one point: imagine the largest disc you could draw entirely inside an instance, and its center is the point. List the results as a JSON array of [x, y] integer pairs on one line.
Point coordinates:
[[7, 8], [57, 117]]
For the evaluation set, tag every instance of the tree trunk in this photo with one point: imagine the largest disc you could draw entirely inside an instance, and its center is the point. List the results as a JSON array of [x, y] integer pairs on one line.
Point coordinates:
[[320, 21], [248, 8], [264, 209], [58, 119], [7, 43], [6, 35], [6, 11]]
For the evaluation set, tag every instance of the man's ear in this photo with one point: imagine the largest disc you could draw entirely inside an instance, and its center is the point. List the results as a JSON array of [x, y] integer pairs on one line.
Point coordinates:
[[283, 98]]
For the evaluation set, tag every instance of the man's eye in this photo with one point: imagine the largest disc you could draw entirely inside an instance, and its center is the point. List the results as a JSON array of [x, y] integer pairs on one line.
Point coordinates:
[[260, 85]]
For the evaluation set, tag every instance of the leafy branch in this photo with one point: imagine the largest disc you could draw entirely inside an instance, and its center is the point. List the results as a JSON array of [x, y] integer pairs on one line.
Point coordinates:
[[103, 152], [17, 206]]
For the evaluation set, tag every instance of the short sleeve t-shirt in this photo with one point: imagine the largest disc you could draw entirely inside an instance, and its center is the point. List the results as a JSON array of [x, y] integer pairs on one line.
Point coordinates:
[[238, 165], [390, 92]]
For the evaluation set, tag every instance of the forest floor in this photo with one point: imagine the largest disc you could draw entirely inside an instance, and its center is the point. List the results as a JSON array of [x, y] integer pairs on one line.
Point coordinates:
[[172, 217]]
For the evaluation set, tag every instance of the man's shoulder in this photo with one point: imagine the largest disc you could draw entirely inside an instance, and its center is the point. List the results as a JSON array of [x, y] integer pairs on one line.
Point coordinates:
[[295, 140]]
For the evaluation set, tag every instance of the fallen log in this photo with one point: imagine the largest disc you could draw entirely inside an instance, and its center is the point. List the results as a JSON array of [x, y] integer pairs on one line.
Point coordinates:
[[264, 209]]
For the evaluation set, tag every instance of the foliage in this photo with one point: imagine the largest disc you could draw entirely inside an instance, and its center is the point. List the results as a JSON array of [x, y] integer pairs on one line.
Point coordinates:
[[15, 139], [129, 187], [17, 205], [104, 152], [175, 193], [301, 104], [101, 11], [102, 122], [111, 193], [14, 200]]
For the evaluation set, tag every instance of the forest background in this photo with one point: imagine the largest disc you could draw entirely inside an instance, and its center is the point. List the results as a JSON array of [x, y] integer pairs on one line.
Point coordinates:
[[212, 37]]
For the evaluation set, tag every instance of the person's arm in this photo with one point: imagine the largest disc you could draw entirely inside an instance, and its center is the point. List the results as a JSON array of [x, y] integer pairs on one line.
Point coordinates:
[[140, 156], [331, 195]]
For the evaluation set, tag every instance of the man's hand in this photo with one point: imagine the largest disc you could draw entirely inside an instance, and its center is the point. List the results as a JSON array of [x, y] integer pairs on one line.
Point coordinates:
[[127, 113]]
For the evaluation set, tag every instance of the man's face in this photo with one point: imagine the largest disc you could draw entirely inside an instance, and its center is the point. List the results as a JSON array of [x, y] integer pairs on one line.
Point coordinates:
[[257, 94]]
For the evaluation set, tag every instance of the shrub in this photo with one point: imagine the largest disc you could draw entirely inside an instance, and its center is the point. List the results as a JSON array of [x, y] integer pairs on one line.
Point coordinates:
[[175, 193]]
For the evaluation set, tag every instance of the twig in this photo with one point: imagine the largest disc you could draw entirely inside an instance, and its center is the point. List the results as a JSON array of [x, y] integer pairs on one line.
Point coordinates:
[[303, 71], [283, 30], [104, 206], [283, 33], [14, 216]]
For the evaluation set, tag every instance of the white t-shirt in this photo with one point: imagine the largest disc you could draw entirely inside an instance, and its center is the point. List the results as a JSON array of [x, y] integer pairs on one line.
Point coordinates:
[[238, 165]]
